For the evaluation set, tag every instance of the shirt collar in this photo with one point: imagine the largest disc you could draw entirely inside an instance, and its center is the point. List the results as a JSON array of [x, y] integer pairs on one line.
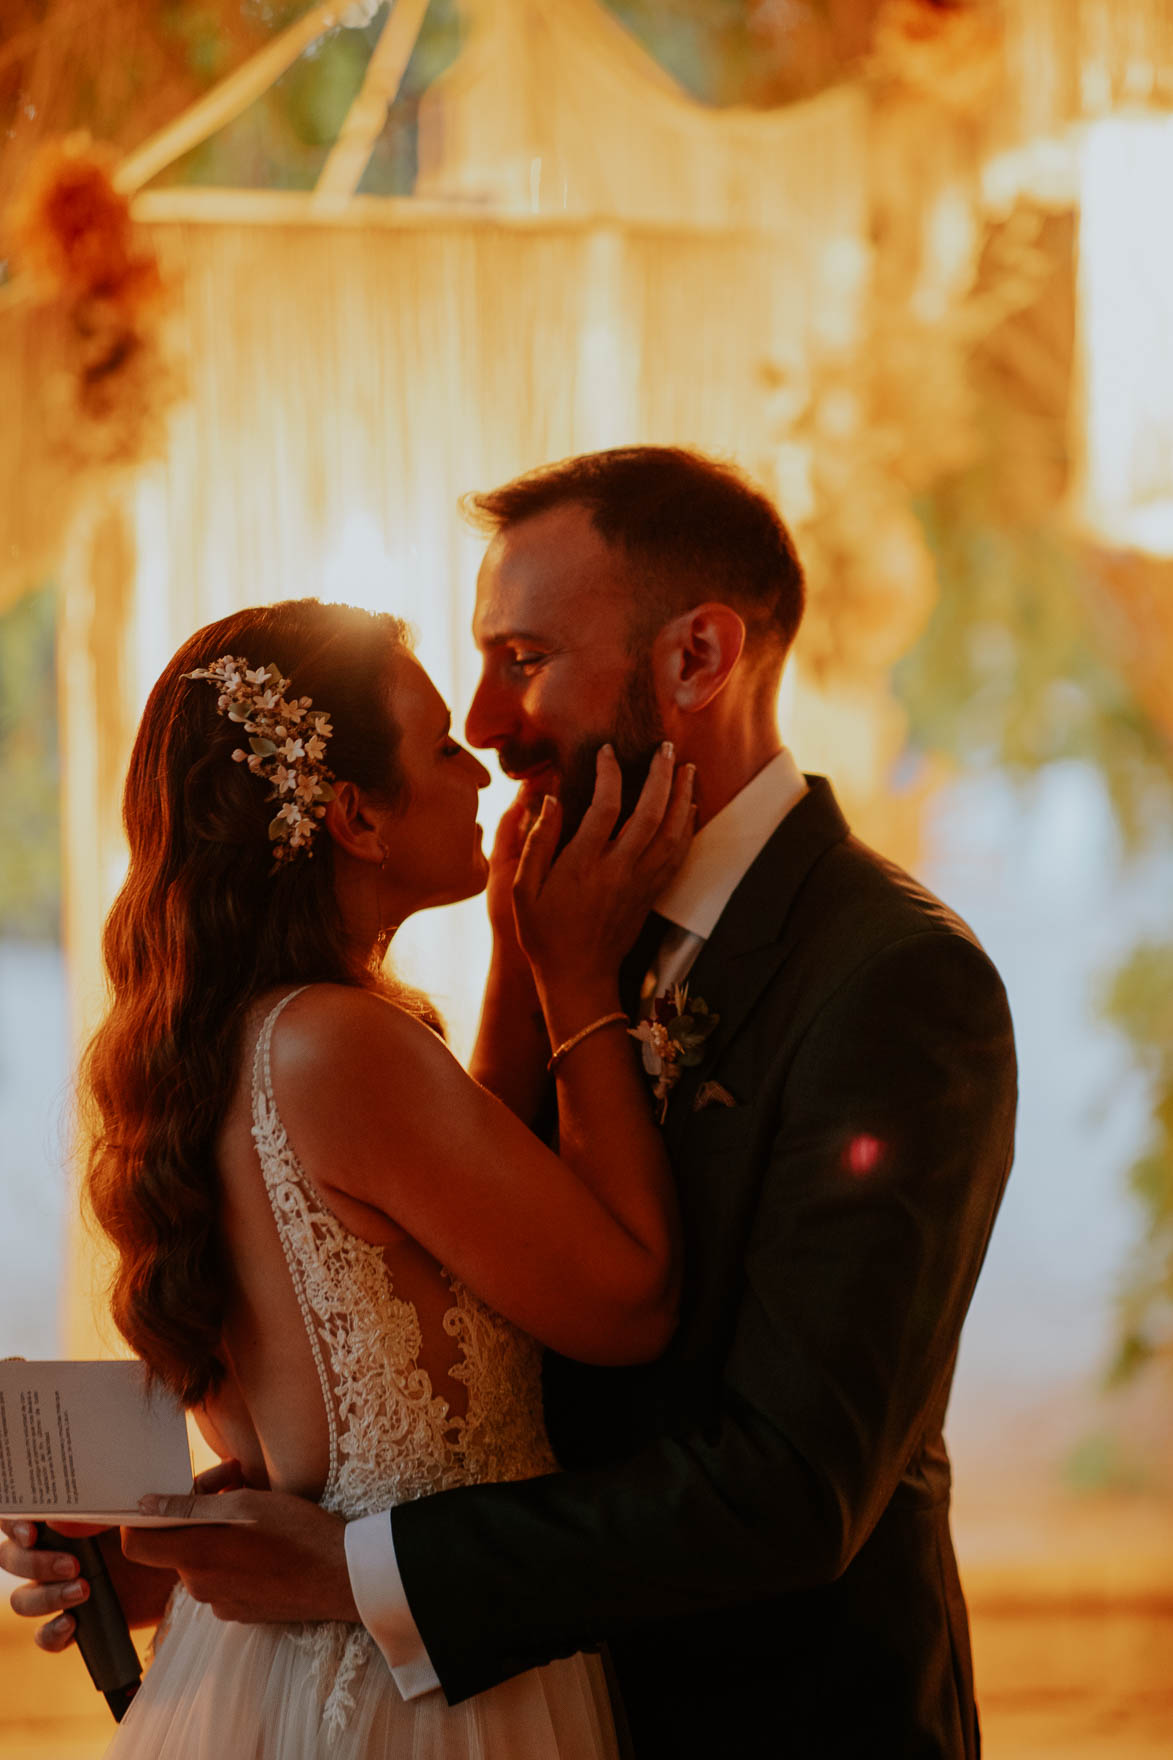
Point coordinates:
[[726, 848]]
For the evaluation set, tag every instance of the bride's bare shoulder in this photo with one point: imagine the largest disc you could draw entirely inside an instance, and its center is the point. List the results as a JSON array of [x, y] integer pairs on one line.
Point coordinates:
[[344, 1036], [352, 1072]]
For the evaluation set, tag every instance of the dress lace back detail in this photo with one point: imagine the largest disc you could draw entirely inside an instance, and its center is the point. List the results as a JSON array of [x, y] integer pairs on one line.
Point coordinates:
[[392, 1437]]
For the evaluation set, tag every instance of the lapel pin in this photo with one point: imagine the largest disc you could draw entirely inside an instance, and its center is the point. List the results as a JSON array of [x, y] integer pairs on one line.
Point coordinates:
[[712, 1094]]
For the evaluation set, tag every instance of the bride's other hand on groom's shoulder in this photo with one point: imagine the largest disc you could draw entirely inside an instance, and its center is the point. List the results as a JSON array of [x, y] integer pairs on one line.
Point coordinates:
[[515, 825]]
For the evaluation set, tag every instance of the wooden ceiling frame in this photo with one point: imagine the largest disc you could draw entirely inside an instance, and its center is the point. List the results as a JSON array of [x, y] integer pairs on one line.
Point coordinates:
[[364, 121], [238, 91]]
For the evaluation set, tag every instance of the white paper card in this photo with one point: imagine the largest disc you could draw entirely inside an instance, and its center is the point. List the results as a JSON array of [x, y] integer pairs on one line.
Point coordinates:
[[82, 1442]]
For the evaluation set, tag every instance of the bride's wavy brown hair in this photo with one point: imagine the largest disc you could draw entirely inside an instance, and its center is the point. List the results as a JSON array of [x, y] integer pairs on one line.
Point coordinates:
[[201, 927]]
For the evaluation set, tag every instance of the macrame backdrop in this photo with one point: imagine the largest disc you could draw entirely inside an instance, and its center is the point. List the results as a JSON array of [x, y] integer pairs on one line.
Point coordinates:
[[348, 383], [591, 258], [1072, 60], [349, 378]]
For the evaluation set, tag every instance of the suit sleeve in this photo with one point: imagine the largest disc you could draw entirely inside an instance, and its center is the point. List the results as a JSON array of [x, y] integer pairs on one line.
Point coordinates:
[[892, 1143]]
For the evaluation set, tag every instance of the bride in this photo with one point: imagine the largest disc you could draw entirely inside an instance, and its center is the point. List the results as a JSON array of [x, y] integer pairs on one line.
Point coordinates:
[[334, 1246]]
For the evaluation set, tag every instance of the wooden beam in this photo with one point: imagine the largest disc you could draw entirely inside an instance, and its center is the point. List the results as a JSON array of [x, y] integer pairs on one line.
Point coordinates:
[[229, 99], [201, 205], [351, 152]]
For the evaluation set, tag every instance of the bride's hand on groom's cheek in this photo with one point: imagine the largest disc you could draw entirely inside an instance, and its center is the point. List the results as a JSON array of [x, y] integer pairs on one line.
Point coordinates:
[[282, 1559], [580, 909]]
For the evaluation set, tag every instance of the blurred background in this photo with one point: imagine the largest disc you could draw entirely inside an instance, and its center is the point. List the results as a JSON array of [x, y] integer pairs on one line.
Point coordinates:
[[279, 282]]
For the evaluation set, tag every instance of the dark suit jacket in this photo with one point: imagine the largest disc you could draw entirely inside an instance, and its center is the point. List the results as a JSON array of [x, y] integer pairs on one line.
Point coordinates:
[[757, 1524]]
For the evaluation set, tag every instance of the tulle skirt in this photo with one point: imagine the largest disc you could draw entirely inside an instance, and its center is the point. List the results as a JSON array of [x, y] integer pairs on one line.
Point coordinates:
[[218, 1691]]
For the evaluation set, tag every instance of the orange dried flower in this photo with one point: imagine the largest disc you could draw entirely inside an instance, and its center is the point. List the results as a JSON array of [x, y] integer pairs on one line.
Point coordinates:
[[72, 228], [947, 49], [102, 298]]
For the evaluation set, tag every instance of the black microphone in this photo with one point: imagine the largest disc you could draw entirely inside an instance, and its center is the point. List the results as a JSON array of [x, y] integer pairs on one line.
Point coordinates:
[[103, 1636]]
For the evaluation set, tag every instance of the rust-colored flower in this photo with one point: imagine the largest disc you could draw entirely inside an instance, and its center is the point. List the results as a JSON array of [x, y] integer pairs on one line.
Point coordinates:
[[72, 229], [950, 50]]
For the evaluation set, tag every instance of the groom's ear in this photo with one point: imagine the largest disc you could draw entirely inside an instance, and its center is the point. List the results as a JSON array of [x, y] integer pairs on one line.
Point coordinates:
[[695, 655]]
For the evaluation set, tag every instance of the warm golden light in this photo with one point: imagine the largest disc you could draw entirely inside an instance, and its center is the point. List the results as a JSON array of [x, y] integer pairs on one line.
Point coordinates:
[[1126, 296], [921, 289]]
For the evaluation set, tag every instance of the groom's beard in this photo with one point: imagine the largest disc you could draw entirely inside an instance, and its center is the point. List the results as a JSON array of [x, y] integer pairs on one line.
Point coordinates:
[[636, 733]]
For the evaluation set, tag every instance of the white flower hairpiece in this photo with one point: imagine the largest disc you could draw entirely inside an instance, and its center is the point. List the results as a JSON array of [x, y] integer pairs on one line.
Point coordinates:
[[287, 746]]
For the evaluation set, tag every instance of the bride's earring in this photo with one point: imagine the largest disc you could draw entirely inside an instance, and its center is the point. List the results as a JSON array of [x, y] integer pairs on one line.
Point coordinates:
[[383, 931]]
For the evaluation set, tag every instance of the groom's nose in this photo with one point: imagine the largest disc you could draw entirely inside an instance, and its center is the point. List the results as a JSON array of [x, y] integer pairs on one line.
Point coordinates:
[[491, 715]]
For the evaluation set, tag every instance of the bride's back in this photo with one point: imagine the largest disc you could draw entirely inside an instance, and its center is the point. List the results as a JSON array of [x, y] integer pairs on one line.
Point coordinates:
[[351, 1355]]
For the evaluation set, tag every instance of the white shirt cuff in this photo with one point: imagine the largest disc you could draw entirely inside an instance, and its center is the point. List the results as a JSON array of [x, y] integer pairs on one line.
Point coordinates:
[[382, 1605]]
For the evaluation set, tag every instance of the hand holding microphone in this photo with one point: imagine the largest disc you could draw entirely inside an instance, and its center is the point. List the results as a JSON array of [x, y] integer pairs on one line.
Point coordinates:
[[65, 1572], [101, 1629]]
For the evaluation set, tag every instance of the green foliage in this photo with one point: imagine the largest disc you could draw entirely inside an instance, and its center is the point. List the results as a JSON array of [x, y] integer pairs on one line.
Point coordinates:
[[1139, 1000], [1010, 670], [30, 844], [1099, 1463], [198, 31], [729, 52], [1010, 673], [705, 44], [1018, 667]]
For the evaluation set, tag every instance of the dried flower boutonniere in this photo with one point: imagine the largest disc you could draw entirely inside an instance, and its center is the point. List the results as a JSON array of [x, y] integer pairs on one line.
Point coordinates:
[[673, 1039]]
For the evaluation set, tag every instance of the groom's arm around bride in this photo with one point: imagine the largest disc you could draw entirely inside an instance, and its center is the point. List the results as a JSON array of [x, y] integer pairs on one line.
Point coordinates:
[[758, 1523]]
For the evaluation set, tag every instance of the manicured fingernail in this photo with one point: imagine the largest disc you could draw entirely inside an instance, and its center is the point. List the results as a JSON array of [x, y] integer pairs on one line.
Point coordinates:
[[608, 749], [690, 774], [65, 1566], [76, 1592], [24, 1534], [62, 1626], [667, 750]]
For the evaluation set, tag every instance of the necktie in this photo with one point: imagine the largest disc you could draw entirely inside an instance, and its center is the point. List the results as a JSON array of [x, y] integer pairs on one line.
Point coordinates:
[[636, 963]]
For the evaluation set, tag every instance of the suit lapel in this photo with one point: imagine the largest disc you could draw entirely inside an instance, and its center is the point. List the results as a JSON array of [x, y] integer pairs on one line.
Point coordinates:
[[748, 946]]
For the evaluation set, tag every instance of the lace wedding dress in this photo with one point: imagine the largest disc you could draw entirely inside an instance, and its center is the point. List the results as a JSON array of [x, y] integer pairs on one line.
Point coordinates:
[[219, 1691]]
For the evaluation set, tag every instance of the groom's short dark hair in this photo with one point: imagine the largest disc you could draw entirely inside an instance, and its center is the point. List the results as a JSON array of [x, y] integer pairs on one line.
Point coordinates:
[[692, 528]]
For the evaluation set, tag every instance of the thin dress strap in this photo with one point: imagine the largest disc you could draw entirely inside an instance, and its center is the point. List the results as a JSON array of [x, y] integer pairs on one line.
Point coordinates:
[[267, 1124], [262, 1068]]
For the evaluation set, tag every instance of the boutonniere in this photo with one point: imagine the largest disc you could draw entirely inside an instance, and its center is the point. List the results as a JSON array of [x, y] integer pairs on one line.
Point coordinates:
[[673, 1039]]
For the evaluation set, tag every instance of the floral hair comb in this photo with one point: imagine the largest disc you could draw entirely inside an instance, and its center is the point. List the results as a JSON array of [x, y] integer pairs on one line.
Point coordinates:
[[287, 746]]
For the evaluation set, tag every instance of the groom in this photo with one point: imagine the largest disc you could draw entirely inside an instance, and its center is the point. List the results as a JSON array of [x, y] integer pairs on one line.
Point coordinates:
[[757, 1524]]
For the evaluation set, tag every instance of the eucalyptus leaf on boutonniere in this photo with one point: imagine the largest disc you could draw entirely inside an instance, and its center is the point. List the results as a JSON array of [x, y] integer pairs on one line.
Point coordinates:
[[673, 1039]]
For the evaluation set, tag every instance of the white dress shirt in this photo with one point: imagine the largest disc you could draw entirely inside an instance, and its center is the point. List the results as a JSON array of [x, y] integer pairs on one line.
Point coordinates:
[[722, 852]]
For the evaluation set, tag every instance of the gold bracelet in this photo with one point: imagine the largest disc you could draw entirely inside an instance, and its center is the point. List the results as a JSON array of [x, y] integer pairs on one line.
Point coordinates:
[[604, 1020]]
